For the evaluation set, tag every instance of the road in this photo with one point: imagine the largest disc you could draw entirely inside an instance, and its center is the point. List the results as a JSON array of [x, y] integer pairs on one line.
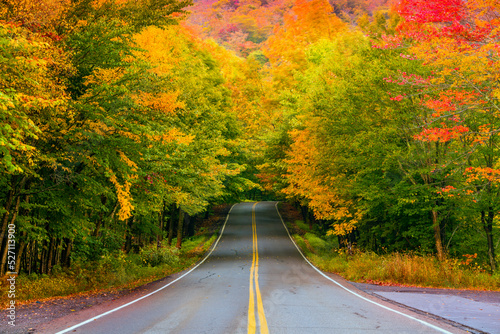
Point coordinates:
[[255, 281]]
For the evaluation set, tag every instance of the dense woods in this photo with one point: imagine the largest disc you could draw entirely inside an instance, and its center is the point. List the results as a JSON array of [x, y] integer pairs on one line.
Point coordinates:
[[122, 119], [116, 124], [389, 129]]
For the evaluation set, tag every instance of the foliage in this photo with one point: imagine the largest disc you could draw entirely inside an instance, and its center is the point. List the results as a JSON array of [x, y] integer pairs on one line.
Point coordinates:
[[115, 121], [389, 132], [120, 124], [406, 269], [153, 256]]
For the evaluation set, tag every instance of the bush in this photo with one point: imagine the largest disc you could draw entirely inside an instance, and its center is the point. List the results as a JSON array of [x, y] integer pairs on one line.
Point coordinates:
[[153, 256]]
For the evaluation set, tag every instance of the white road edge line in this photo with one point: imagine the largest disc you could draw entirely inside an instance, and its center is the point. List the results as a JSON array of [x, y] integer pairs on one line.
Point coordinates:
[[151, 293], [354, 293]]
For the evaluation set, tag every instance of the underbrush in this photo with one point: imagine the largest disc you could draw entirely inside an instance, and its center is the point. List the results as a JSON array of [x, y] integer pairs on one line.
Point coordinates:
[[111, 271], [394, 268]]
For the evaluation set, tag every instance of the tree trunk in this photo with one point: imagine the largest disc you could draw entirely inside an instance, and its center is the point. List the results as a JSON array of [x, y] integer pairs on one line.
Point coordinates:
[[5, 247], [50, 258], [180, 225], [128, 235], [20, 252], [159, 235], [304, 210], [311, 218], [487, 221], [5, 222], [101, 217], [43, 255], [437, 235], [66, 258], [170, 231], [98, 225]]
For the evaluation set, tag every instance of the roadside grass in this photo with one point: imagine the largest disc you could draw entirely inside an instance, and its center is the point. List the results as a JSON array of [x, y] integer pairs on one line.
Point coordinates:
[[400, 269], [112, 272]]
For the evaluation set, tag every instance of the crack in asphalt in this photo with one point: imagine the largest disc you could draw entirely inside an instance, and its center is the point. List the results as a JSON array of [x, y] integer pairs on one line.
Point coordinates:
[[201, 279]]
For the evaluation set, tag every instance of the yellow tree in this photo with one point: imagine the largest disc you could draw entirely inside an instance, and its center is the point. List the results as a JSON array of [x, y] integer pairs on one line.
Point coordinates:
[[199, 131], [307, 23], [308, 182]]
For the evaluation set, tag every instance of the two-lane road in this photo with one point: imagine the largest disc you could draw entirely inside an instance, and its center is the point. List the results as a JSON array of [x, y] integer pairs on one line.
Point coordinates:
[[254, 281]]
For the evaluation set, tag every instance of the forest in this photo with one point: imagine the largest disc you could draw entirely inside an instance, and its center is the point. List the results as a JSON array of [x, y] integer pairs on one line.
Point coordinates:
[[122, 120]]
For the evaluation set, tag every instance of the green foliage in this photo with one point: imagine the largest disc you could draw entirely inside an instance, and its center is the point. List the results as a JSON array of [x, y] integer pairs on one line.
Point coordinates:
[[153, 256], [319, 245], [113, 117], [302, 225]]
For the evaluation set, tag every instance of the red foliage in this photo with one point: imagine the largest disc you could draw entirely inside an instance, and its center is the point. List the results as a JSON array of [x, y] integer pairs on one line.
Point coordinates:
[[424, 11], [443, 134], [457, 19]]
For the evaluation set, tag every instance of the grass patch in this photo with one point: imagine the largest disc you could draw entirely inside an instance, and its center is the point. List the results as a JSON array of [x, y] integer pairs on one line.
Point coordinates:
[[301, 225], [111, 272], [393, 269]]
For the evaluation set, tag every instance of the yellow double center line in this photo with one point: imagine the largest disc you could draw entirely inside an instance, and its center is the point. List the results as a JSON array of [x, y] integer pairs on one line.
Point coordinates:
[[254, 280]]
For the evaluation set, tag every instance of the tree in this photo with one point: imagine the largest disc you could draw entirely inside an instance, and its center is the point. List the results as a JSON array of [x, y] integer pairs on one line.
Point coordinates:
[[459, 40]]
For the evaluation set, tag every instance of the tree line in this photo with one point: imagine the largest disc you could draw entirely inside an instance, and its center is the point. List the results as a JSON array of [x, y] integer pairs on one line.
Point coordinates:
[[389, 132], [117, 122]]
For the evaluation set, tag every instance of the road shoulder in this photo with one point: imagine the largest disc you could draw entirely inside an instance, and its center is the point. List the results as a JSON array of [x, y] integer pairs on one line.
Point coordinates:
[[470, 310]]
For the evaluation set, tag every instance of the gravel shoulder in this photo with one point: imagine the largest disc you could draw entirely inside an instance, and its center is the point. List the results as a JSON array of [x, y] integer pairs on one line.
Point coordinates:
[[470, 310]]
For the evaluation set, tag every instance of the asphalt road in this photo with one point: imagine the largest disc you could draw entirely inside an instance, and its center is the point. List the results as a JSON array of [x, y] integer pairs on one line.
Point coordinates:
[[254, 281]]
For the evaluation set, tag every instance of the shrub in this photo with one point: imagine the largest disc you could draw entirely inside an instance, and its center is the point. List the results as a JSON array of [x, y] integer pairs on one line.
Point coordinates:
[[153, 256]]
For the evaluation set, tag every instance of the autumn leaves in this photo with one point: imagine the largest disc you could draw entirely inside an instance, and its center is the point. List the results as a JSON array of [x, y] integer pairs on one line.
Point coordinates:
[[385, 124], [114, 118]]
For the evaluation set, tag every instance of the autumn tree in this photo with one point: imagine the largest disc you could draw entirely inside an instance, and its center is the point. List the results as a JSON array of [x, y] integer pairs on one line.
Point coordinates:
[[459, 41], [114, 127]]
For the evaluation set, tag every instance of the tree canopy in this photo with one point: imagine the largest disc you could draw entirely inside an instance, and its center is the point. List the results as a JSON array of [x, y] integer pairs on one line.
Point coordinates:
[[119, 117]]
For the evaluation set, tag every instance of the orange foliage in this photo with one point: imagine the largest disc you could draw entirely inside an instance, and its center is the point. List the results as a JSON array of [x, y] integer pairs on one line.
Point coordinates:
[[442, 134], [165, 102], [482, 174], [306, 182]]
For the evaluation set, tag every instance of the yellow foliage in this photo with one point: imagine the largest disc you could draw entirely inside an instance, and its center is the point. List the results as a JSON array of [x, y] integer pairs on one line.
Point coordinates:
[[104, 76], [124, 197], [309, 22], [305, 182], [167, 103], [129, 162], [161, 48], [48, 13], [173, 135]]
